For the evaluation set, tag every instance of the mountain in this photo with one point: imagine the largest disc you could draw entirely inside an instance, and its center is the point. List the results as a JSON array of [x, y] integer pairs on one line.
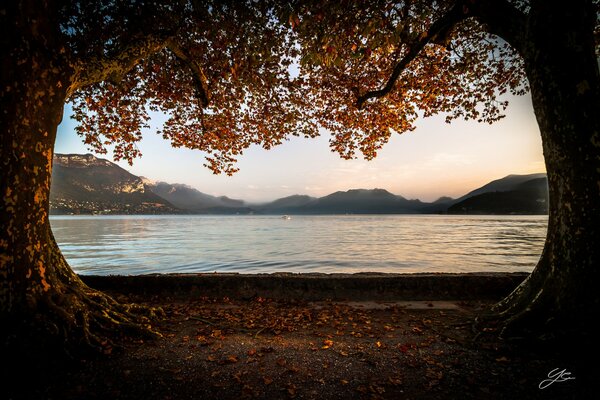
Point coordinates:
[[355, 201], [443, 200], [85, 184], [187, 198], [522, 197], [286, 205], [506, 184]]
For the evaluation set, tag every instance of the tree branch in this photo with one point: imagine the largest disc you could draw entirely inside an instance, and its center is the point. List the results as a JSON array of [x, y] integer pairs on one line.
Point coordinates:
[[436, 32], [500, 17], [200, 79], [115, 66]]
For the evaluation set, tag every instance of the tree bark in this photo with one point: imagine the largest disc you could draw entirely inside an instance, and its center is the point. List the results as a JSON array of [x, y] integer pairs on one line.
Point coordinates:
[[561, 295], [41, 299]]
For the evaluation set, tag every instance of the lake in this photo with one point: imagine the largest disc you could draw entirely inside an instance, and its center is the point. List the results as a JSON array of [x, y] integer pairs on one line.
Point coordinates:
[[132, 245]]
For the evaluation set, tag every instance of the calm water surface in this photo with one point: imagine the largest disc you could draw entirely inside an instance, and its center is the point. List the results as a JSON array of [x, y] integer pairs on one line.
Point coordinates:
[[131, 245]]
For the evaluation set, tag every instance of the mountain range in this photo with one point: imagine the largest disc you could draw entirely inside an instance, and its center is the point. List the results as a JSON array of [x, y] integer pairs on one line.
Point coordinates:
[[85, 184]]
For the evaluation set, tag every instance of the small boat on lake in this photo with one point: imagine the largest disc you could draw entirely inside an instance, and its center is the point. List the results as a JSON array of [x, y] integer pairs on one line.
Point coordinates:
[[286, 217]]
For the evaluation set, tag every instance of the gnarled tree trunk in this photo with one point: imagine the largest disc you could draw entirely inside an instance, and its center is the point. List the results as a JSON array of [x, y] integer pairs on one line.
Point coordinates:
[[560, 296], [41, 297]]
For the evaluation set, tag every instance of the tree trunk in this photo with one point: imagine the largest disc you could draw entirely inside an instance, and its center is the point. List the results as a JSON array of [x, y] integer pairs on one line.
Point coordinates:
[[561, 295], [41, 298]]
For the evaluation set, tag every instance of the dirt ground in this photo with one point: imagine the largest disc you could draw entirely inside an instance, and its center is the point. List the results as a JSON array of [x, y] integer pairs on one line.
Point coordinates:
[[266, 349]]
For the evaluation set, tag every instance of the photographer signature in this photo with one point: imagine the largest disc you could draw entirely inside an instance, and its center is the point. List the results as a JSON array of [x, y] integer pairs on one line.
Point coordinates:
[[556, 375]]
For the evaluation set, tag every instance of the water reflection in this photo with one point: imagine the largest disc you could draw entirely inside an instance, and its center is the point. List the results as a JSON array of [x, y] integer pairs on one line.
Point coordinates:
[[261, 244]]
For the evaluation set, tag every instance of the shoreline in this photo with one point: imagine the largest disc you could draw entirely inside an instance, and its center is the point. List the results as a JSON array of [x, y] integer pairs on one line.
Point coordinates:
[[364, 286]]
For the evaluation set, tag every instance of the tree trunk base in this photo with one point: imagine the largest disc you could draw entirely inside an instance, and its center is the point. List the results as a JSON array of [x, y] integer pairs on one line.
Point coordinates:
[[73, 318], [543, 309]]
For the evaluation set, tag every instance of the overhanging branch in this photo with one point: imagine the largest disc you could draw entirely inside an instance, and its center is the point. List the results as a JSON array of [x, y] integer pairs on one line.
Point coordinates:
[[437, 31], [115, 66], [200, 79]]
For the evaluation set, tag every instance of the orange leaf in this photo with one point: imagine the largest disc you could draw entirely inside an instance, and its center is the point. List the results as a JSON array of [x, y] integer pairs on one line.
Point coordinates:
[[232, 359]]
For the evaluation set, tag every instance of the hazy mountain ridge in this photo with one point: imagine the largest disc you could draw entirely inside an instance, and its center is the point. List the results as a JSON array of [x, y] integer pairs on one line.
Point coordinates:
[[360, 201], [187, 198], [285, 205], [506, 184], [87, 184], [528, 197]]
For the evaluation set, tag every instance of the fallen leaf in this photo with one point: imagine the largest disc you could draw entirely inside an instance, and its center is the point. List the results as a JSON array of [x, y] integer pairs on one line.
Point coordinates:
[[238, 376], [395, 380], [232, 359], [376, 389], [291, 389]]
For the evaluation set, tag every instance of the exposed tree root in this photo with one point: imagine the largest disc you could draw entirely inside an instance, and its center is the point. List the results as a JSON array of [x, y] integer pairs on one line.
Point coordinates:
[[73, 318], [85, 321], [534, 314]]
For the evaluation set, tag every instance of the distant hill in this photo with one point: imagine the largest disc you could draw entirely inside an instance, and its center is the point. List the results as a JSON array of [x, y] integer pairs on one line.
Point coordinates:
[[443, 200], [355, 201], [506, 184], [187, 198], [286, 205], [523, 197], [85, 184]]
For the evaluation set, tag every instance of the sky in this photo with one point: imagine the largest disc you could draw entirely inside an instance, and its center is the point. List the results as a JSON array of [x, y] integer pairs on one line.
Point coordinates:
[[436, 159]]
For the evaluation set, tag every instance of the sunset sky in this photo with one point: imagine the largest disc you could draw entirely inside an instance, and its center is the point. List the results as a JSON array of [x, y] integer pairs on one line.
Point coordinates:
[[435, 160]]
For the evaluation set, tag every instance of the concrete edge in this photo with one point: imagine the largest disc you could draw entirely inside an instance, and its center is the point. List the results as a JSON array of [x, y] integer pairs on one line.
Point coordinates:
[[314, 287]]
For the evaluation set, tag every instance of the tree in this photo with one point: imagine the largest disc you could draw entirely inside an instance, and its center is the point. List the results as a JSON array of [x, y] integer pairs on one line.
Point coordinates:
[[371, 65], [224, 72], [220, 69]]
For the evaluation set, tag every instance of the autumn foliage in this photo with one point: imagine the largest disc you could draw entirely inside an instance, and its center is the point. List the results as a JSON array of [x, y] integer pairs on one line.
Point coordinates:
[[232, 75]]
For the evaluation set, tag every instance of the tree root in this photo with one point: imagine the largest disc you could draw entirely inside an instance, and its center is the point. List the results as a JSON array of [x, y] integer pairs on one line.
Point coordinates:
[[79, 318], [75, 320]]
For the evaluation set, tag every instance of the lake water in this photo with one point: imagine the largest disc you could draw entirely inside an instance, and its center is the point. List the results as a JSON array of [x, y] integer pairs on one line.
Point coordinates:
[[132, 245]]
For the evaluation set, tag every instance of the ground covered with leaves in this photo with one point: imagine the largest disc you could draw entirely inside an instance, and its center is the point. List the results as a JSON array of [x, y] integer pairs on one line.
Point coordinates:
[[266, 349]]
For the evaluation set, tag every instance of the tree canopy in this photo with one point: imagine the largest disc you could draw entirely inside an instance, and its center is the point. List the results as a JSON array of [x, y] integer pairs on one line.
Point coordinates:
[[233, 74]]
